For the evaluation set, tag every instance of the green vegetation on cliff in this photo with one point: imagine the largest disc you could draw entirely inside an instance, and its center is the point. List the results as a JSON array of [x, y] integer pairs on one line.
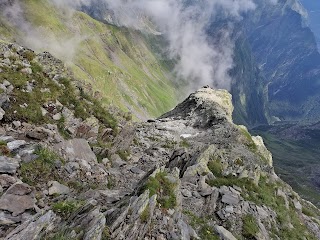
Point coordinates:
[[116, 63]]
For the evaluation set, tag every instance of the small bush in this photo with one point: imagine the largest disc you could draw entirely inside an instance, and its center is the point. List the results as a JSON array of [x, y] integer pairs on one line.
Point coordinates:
[[205, 231], [4, 150], [145, 215], [42, 169], [29, 55], [36, 68], [161, 186], [250, 227], [66, 208], [184, 143], [169, 144], [216, 167], [61, 235], [111, 182], [308, 212], [124, 154], [106, 234], [250, 143], [61, 128]]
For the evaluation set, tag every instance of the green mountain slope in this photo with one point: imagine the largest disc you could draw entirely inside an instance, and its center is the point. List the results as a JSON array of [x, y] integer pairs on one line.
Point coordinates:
[[117, 63]]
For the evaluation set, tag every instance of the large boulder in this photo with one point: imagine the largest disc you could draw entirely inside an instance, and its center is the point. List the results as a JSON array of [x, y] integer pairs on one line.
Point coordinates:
[[76, 150]]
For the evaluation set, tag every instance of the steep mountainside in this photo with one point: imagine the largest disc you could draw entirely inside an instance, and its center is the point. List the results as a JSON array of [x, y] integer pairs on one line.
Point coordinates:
[[313, 8], [69, 169], [119, 64], [287, 55], [295, 149]]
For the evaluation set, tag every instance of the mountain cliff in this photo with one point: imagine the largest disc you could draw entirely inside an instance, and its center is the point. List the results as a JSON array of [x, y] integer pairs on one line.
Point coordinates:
[[71, 169], [286, 53]]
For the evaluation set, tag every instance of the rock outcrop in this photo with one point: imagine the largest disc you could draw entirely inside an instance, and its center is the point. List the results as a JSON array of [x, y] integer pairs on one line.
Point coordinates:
[[191, 174]]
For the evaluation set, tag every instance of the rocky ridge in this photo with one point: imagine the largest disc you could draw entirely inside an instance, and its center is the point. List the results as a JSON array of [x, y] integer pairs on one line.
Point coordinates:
[[71, 170]]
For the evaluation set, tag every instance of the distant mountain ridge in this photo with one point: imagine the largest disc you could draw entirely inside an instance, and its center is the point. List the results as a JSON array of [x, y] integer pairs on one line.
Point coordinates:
[[313, 8], [285, 52]]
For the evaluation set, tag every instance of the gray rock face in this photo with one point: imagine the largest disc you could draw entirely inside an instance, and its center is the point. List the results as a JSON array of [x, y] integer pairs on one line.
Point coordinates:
[[8, 219], [204, 108], [19, 189], [37, 134], [16, 204], [224, 233], [32, 228], [8, 165], [7, 180], [57, 188], [96, 228], [230, 199], [76, 149], [14, 145]]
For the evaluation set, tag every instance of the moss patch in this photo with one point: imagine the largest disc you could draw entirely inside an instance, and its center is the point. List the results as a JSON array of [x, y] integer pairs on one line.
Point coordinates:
[[161, 186], [250, 227], [66, 208], [201, 225], [41, 170]]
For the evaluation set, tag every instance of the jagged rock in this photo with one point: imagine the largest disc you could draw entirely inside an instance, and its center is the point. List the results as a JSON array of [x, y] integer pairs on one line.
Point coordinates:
[[76, 149], [201, 165], [8, 165], [19, 189], [27, 155], [16, 124], [224, 233], [8, 219], [96, 227], [32, 228], [72, 167], [117, 161], [297, 205], [3, 99], [57, 188], [186, 193], [204, 108], [16, 204], [137, 170], [37, 134], [2, 113], [14, 145], [111, 195], [258, 141], [134, 227], [205, 189], [229, 197], [6, 180]]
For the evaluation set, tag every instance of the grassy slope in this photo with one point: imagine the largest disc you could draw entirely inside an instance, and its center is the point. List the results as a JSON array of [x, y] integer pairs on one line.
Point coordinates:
[[115, 61], [295, 162]]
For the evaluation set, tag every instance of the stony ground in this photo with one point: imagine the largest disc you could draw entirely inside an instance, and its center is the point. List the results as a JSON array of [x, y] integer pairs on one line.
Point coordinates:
[[70, 169]]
